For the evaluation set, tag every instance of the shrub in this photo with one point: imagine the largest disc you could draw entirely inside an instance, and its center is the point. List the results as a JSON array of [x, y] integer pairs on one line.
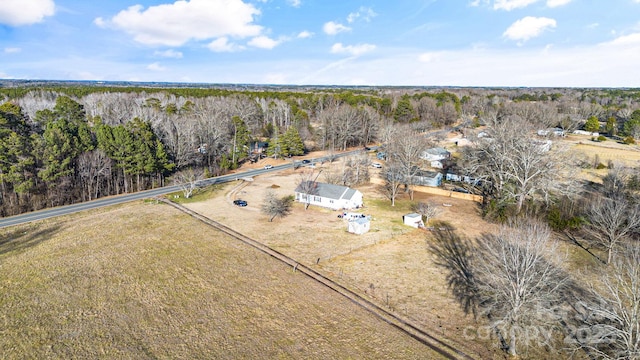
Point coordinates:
[[602, 138], [629, 140]]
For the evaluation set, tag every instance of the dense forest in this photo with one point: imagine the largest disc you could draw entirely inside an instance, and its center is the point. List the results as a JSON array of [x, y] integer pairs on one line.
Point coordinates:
[[66, 143]]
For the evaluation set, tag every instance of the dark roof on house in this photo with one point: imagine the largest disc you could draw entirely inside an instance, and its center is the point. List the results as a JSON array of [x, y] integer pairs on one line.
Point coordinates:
[[329, 191]]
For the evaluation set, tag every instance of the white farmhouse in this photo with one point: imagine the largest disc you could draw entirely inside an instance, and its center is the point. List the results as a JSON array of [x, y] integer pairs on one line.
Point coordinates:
[[330, 196]]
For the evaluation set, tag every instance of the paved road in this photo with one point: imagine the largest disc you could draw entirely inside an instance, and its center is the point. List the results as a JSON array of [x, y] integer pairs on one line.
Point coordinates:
[[69, 209]]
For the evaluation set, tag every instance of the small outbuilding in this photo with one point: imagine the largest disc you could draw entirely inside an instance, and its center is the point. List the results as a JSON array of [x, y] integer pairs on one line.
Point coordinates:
[[413, 220], [359, 226]]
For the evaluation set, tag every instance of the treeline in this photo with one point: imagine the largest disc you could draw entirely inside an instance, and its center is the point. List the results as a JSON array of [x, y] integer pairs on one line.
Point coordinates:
[[70, 144], [65, 144]]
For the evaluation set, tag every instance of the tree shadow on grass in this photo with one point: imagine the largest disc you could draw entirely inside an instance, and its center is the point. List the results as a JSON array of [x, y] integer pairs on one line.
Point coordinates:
[[20, 239], [454, 254]]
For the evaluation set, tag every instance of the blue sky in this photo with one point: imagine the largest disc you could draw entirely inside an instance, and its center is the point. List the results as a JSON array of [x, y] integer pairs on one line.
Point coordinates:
[[577, 43]]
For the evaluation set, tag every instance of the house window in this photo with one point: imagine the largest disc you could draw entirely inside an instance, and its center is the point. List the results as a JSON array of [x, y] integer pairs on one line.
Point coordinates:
[[330, 201], [317, 198], [303, 197]]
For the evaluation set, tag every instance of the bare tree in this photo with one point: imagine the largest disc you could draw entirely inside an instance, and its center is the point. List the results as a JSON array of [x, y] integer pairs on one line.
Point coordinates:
[[611, 222], [393, 177], [516, 167], [94, 167], [511, 278], [355, 170], [428, 210], [611, 319], [188, 180], [404, 151], [274, 206], [518, 281], [308, 186]]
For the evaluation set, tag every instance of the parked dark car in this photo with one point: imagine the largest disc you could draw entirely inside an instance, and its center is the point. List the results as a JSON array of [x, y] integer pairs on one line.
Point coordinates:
[[239, 202], [306, 161]]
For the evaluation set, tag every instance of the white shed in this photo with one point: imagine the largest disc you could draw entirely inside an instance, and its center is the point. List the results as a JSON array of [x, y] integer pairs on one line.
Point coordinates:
[[359, 226], [413, 220]]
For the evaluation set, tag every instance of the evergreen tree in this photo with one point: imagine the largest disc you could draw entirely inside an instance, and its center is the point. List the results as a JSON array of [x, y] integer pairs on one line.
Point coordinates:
[[293, 142], [240, 140], [612, 126], [592, 124], [404, 110], [632, 126]]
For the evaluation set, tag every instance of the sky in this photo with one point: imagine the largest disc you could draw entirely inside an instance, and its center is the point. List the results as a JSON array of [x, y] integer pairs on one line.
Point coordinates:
[[529, 43]]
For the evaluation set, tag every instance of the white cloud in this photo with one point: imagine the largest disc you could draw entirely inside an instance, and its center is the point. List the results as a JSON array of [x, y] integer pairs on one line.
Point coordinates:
[[333, 28], [295, 3], [304, 34], [556, 3], [625, 40], [156, 67], [169, 54], [509, 5], [222, 44], [528, 27], [263, 42], [185, 20], [12, 50], [100, 22], [353, 50], [25, 12], [430, 56], [364, 13]]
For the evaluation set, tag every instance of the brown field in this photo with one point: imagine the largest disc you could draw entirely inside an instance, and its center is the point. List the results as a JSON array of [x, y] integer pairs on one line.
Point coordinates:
[[145, 281]]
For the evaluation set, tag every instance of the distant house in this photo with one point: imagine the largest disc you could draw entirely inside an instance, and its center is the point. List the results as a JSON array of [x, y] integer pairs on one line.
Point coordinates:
[[359, 226], [258, 147], [552, 131], [435, 154], [413, 220], [437, 164], [427, 178], [461, 178], [330, 196]]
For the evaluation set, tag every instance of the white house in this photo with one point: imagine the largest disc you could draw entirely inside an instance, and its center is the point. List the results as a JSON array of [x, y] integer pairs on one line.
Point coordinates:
[[413, 220], [330, 196], [435, 154]]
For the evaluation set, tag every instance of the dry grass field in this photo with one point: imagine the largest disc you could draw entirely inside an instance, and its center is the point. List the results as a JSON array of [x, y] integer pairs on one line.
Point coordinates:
[[144, 281]]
